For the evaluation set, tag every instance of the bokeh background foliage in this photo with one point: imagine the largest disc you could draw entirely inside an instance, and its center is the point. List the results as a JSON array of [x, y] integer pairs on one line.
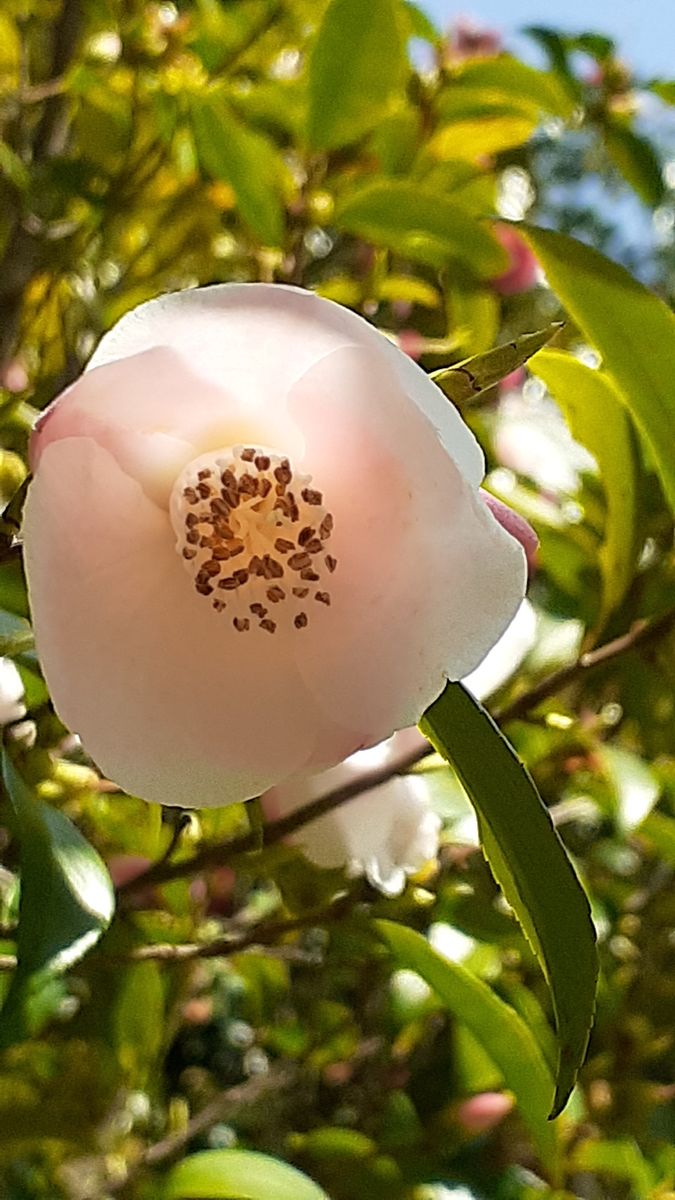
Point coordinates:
[[248, 1025]]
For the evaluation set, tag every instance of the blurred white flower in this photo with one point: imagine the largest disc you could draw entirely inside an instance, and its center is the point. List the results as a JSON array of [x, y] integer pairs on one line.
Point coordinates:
[[385, 834], [12, 707]]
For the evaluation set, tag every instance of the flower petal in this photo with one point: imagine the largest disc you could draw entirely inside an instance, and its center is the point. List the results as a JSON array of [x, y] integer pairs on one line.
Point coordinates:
[[161, 689], [427, 579], [258, 339]]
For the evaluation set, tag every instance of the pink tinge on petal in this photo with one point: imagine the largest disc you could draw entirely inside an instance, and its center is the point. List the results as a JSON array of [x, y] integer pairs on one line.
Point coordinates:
[[516, 525]]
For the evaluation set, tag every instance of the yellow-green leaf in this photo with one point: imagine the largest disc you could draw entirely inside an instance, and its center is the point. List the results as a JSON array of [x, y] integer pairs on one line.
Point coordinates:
[[631, 328], [466, 380], [238, 1175], [597, 418]]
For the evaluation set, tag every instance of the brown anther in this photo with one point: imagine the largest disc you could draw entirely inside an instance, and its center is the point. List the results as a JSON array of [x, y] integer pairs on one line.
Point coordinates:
[[204, 474], [272, 569], [221, 553], [219, 605], [275, 594], [228, 584], [300, 621], [310, 576], [322, 597], [262, 462], [301, 592], [326, 526], [258, 610], [283, 473], [284, 546], [236, 548], [230, 497], [190, 495], [211, 568], [204, 490], [297, 561], [313, 546], [188, 552], [248, 486], [220, 506], [270, 626], [191, 519], [264, 487], [192, 537], [204, 589], [255, 566], [305, 535], [229, 480], [311, 496], [241, 577], [248, 454], [330, 562], [241, 624]]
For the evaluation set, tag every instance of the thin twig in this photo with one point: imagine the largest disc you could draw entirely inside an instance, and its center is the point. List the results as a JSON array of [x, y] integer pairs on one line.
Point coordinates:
[[640, 634], [221, 1108]]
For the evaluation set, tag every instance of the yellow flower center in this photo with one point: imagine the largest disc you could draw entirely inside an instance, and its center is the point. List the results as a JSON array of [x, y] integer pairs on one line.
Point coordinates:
[[253, 534]]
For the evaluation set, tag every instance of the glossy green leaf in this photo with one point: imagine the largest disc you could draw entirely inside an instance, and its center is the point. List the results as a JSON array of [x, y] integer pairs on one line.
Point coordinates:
[[635, 158], [631, 328], [530, 864], [422, 225], [356, 71], [494, 1024], [597, 418], [664, 89], [238, 1175], [472, 138], [511, 81], [66, 898], [230, 151], [466, 380]]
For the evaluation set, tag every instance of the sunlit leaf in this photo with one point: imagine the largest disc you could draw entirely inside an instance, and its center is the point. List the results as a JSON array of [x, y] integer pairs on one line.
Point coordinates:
[[66, 898], [631, 328], [495, 1025], [466, 380], [636, 159], [598, 420], [356, 70], [422, 225], [230, 151], [238, 1175], [529, 863]]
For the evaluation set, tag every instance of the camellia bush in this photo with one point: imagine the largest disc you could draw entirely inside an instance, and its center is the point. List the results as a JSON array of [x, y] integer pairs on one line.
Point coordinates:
[[337, 626]]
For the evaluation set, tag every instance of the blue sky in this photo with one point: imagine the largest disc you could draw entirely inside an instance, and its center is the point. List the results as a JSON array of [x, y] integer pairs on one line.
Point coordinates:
[[643, 29]]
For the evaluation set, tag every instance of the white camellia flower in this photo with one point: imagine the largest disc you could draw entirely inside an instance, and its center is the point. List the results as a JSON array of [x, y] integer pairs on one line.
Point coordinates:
[[12, 707], [255, 543], [385, 834]]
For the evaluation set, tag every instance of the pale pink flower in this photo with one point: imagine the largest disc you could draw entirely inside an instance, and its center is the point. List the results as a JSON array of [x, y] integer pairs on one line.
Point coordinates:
[[255, 543]]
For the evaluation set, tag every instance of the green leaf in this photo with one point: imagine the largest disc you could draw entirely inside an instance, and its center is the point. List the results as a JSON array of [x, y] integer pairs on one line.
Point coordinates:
[[238, 1175], [466, 380], [597, 418], [635, 158], [422, 225], [494, 1024], [530, 864], [356, 71], [632, 329], [229, 151], [659, 830], [664, 89], [66, 898]]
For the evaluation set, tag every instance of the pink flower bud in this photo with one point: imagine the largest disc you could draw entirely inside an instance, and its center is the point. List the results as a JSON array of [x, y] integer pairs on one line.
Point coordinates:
[[481, 1113], [521, 273], [254, 543]]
